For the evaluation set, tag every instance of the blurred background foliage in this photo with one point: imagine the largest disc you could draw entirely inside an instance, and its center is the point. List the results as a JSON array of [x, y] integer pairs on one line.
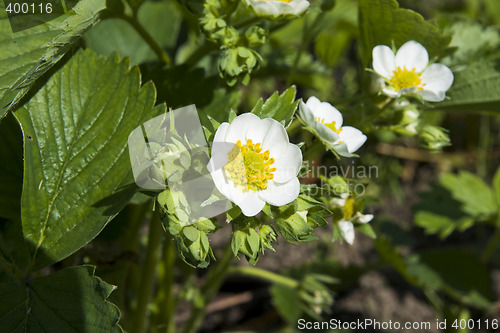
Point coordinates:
[[431, 251]]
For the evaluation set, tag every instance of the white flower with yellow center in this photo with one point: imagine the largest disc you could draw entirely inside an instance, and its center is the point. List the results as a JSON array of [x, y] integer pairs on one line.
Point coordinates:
[[278, 8], [327, 121], [253, 163], [408, 72], [346, 224]]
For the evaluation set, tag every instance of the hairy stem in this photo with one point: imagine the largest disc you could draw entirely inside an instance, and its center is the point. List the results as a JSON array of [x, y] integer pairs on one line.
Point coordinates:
[[492, 244], [212, 284], [265, 275], [169, 255], [157, 49], [148, 273]]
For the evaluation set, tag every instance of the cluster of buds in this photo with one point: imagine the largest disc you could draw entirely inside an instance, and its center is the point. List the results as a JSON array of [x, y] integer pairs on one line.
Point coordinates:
[[238, 57]]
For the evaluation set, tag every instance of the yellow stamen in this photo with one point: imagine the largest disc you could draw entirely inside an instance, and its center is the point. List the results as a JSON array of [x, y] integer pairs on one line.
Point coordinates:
[[404, 78], [329, 125], [249, 167]]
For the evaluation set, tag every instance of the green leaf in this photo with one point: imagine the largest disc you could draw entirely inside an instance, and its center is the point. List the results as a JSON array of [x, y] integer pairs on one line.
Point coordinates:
[[476, 197], [496, 187], [294, 228], [279, 107], [439, 213], [77, 173], [28, 54], [11, 168], [160, 19], [287, 302], [367, 230], [329, 46], [442, 225], [475, 88], [382, 22], [71, 300], [460, 270]]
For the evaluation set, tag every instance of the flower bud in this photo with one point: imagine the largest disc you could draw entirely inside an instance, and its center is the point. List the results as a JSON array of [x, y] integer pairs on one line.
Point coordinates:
[[434, 138]]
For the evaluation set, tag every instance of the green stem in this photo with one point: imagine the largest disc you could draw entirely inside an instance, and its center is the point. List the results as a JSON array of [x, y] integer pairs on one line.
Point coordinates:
[[157, 49], [302, 48], [313, 150], [492, 244], [168, 283], [484, 142], [212, 284], [305, 39], [263, 274], [380, 111], [148, 272]]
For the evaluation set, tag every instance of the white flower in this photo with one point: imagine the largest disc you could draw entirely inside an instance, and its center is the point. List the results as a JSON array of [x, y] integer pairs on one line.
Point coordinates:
[[278, 8], [346, 224], [408, 72], [253, 163], [327, 121], [347, 227]]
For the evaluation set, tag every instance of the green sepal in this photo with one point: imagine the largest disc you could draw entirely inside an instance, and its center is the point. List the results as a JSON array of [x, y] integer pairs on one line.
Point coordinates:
[[250, 237], [279, 107]]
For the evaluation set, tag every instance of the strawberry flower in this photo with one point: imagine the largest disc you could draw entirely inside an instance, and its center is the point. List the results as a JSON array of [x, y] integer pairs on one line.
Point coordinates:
[[253, 162], [326, 121], [408, 72]]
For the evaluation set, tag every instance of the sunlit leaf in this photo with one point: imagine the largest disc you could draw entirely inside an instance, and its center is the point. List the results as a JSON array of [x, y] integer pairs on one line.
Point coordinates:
[[475, 88], [28, 54], [382, 22], [160, 19], [77, 173]]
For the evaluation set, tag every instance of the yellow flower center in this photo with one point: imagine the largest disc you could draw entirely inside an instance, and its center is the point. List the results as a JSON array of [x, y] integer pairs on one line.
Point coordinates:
[[329, 125], [249, 166], [349, 209], [404, 78]]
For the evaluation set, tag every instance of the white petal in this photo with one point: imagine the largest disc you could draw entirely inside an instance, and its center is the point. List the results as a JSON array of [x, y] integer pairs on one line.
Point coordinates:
[[221, 183], [258, 133], [326, 111], [313, 102], [383, 61], [437, 78], [239, 126], [220, 152], [281, 194], [326, 133], [363, 218], [288, 165], [432, 96], [306, 113], [272, 8], [276, 139], [412, 55], [352, 137], [391, 92], [220, 135], [347, 231], [340, 202], [249, 202]]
